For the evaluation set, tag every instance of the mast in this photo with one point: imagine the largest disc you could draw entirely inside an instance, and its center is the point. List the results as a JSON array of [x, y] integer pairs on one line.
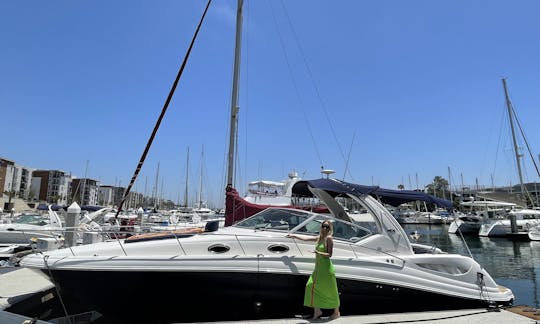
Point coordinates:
[[187, 177], [199, 196], [516, 149], [450, 184], [234, 96], [156, 184], [84, 183]]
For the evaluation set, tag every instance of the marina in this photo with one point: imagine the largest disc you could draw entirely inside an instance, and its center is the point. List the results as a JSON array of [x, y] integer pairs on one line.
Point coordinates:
[[175, 259], [92, 253]]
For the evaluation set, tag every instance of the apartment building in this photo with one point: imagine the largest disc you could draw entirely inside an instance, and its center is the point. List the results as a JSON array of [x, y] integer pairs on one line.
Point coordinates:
[[7, 172], [52, 186], [106, 196], [15, 179], [85, 191]]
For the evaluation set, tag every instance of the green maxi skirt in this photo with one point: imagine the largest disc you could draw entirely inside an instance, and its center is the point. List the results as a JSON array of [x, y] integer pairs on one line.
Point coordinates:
[[321, 288]]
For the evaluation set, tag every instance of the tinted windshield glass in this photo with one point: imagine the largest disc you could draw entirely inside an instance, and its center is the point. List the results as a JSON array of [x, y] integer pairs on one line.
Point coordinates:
[[342, 230], [30, 219], [275, 218]]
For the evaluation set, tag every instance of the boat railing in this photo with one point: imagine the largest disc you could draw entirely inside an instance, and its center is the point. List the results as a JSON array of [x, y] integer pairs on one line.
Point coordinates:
[[121, 233]]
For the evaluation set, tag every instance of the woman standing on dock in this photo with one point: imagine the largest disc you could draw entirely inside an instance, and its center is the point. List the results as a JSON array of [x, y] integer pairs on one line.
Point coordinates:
[[321, 288]]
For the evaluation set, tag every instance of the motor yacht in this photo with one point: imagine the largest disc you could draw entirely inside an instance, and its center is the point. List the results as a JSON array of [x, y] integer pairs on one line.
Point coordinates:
[[524, 220], [466, 224], [274, 193], [28, 227], [253, 270]]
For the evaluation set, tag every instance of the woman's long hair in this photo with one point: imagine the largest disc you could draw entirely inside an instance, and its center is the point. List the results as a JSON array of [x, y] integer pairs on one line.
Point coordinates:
[[324, 234]]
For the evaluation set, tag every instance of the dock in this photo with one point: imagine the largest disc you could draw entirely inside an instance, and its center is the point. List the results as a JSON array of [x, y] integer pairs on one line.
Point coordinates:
[[513, 315], [22, 288]]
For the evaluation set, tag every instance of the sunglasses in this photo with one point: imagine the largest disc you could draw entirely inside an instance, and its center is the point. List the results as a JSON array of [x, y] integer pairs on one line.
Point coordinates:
[[325, 226]]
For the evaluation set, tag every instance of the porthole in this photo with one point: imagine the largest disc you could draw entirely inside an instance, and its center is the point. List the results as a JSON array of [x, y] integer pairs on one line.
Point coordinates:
[[278, 248], [218, 248]]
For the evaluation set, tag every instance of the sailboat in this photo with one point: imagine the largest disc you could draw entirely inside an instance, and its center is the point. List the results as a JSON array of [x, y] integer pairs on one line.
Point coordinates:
[[201, 210], [254, 269], [518, 221], [237, 207]]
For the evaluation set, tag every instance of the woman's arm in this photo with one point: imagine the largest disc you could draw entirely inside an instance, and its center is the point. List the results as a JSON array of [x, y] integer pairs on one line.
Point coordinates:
[[302, 237]]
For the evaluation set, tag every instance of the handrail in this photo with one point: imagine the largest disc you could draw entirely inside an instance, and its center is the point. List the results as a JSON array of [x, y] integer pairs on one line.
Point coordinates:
[[119, 236]]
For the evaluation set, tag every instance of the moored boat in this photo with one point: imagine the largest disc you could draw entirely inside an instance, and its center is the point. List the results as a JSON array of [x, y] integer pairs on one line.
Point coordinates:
[[466, 224], [254, 270], [524, 220], [27, 228]]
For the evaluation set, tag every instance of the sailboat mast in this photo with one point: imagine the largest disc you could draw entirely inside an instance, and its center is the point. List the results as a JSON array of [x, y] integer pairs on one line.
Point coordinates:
[[187, 177], [234, 96], [156, 188], [516, 149], [199, 198], [450, 184]]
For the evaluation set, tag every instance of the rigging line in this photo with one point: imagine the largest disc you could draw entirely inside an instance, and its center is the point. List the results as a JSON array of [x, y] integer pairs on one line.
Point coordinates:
[[530, 154], [348, 157], [513, 113], [525, 140], [57, 288], [164, 109], [294, 84], [246, 93], [499, 142], [310, 73]]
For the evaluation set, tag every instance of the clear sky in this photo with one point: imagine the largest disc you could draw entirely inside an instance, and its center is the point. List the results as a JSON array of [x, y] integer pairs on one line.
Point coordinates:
[[400, 91]]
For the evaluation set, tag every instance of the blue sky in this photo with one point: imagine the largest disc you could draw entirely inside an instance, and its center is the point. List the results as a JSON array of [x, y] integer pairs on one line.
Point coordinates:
[[409, 90]]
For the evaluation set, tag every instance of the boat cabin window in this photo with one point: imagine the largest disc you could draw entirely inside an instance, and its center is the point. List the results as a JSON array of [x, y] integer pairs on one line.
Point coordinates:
[[275, 218], [269, 188], [531, 216]]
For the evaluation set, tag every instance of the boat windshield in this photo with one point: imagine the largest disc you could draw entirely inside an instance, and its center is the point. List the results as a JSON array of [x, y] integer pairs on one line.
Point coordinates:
[[302, 222], [276, 219], [342, 230], [30, 219]]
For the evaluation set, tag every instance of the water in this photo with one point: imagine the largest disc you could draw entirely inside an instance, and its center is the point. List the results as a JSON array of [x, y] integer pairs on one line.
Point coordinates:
[[512, 264]]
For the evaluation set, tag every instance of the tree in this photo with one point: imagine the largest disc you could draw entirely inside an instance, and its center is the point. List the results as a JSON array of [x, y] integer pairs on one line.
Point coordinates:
[[31, 194], [400, 187], [53, 199], [438, 188]]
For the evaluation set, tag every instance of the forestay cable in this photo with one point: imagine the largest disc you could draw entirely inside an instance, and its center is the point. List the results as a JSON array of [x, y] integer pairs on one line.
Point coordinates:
[[316, 88], [295, 85]]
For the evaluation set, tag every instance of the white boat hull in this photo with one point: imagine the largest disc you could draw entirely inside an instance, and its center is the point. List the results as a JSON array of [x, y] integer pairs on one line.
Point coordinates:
[[464, 226], [252, 285], [503, 227]]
